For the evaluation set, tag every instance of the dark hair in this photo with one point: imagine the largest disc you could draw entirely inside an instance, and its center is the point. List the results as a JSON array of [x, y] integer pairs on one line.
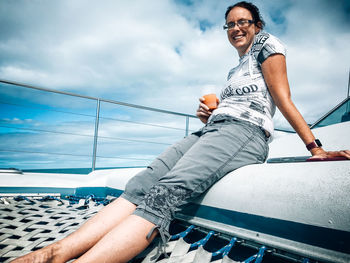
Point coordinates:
[[252, 9]]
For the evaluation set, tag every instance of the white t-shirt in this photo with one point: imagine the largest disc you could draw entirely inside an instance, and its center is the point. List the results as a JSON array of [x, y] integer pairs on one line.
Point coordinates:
[[245, 95]]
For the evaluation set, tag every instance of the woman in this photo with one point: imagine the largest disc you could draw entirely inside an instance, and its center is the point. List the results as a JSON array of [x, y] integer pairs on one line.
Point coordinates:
[[235, 134]]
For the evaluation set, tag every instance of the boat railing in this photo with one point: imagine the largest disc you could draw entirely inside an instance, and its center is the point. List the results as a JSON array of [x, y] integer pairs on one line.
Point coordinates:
[[50, 130], [46, 128]]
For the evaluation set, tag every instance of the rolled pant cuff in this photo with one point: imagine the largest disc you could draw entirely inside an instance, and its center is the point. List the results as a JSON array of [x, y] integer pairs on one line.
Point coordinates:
[[161, 223]]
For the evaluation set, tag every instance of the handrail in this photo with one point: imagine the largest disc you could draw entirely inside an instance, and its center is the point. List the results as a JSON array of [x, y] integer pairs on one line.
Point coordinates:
[[94, 98], [329, 113], [115, 102], [96, 117]]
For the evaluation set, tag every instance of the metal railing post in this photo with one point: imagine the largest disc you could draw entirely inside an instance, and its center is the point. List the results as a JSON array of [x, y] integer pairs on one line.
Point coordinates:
[[187, 125], [96, 135], [348, 103]]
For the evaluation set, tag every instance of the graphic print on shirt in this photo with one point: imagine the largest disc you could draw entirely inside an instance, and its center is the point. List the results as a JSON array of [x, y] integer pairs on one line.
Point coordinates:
[[258, 44], [230, 91], [257, 107], [246, 95]]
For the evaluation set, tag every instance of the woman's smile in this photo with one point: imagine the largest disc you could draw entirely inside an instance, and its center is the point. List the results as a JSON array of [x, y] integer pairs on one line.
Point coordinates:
[[241, 35], [237, 37]]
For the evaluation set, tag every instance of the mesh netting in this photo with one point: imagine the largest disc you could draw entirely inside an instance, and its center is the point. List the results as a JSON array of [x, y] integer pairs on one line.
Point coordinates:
[[29, 224]]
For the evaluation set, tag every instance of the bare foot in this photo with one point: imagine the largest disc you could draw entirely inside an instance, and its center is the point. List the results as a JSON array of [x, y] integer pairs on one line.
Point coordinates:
[[44, 255]]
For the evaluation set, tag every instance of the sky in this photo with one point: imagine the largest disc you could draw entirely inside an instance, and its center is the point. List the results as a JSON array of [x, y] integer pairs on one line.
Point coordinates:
[[158, 53]]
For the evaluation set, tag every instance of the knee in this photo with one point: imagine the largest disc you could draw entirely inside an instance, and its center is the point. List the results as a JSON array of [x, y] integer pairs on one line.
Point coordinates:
[[141, 183], [136, 188]]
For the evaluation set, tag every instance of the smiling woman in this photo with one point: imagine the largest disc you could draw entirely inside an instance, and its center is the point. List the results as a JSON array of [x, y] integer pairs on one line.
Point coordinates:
[[235, 134]]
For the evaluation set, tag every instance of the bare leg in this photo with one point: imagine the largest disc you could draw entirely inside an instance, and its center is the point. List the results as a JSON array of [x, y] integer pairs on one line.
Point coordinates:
[[122, 243], [85, 237]]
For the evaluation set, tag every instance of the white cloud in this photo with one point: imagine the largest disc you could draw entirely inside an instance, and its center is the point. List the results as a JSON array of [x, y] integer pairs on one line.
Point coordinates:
[[316, 36], [131, 50], [103, 50], [16, 121]]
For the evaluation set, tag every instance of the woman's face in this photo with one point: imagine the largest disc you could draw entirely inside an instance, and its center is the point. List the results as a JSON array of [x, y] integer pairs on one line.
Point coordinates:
[[241, 37]]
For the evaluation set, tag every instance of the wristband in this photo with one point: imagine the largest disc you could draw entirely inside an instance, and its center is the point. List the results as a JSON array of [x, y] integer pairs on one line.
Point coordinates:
[[316, 143]]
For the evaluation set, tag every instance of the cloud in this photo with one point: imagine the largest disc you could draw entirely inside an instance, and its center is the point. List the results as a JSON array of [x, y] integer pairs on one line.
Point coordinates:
[[16, 121], [104, 49], [316, 33], [132, 50]]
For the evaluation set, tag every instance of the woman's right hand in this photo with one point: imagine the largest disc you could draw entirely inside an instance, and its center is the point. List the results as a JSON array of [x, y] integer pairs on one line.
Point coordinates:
[[203, 112]]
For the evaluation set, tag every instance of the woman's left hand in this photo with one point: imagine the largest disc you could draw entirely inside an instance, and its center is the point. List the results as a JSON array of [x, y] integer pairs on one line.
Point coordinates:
[[203, 111], [320, 153]]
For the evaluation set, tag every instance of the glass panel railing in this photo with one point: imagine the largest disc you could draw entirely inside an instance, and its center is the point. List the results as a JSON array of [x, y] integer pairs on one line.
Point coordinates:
[[135, 135], [340, 113], [46, 129], [37, 128]]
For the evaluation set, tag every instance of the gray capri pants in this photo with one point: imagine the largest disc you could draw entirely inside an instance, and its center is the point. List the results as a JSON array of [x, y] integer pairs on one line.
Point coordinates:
[[188, 168]]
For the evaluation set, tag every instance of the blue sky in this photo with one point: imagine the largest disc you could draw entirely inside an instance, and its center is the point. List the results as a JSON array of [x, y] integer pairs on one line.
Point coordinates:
[[163, 53]]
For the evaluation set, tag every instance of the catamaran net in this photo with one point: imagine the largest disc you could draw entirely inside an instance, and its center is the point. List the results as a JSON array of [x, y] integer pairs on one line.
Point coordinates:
[[30, 223]]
